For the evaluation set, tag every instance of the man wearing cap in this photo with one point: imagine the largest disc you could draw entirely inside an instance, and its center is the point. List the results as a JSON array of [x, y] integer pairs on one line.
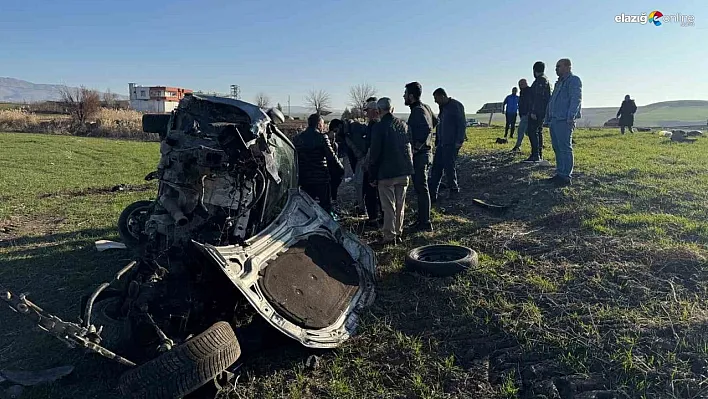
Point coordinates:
[[421, 123], [540, 94], [390, 166], [450, 135]]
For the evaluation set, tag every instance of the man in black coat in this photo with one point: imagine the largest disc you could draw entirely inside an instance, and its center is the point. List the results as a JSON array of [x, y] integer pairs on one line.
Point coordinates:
[[316, 161], [540, 95], [626, 114], [450, 136], [421, 123]]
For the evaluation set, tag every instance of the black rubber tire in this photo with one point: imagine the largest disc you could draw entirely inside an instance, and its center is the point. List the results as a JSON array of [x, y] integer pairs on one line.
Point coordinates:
[[186, 367], [441, 260], [116, 332], [128, 237]]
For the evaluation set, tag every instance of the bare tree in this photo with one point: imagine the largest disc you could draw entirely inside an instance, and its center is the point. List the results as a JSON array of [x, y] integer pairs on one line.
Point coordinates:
[[262, 100], [82, 103], [358, 95], [110, 99], [319, 101]]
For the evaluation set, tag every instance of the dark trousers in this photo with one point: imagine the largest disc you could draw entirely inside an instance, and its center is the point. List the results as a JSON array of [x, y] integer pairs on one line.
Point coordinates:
[[421, 164], [445, 159], [371, 199], [320, 192], [535, 133], [510, 123], [334, 184], [352, 159]]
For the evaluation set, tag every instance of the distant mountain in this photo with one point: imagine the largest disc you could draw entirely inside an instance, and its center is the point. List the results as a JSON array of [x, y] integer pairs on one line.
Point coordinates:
[[18, 91]]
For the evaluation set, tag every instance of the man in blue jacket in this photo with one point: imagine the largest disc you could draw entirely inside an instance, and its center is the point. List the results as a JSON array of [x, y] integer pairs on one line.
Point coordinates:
[[450, 135], [562, 112], [510, 108]]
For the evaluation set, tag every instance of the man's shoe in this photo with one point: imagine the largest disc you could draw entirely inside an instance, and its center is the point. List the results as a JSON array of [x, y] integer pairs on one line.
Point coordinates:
[[515, 149], [532, 159], [563, 181], [552, 180], [424, 227]]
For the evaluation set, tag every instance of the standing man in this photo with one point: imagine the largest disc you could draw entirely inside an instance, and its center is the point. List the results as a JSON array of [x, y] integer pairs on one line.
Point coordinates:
[[524, 108], [511, 103], [315, 157], [627, 110], [540, 94], [421, 123], [563, 110], [391, 165], [450, 135], [371, 194]]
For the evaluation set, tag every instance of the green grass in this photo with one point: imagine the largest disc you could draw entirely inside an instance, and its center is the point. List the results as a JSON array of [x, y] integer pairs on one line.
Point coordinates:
[[598, 286]]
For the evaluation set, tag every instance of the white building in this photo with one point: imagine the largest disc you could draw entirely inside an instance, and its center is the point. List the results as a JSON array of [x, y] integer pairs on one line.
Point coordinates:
[[155, 98]]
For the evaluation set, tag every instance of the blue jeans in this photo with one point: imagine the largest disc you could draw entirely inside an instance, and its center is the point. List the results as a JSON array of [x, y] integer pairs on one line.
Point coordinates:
[[523, 125], [562, 141]]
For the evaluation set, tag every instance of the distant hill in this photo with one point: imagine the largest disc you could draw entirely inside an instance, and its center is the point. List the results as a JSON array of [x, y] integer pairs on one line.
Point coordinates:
[[662, 114], [19, 91]]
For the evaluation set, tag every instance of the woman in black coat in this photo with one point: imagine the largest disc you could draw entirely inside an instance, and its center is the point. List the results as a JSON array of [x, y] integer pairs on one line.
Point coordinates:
[[627, 111]]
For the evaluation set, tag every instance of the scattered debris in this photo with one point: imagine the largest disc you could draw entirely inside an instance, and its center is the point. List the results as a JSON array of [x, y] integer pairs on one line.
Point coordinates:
[[681, 136], [694, 133], [502, 141], [313, 362], [103, 245], [31, 378], [643, 129]]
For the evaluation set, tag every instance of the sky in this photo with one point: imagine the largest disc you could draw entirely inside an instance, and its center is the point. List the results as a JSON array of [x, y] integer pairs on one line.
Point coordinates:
[[287, 48]]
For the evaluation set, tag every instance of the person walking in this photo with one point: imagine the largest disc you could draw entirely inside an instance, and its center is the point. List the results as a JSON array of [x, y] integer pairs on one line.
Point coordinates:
[[563, 110], [626, 114], [524, 108], [450, 135], [390, 168], [421, 123], [316, 159], [510, 107], [540, 94]]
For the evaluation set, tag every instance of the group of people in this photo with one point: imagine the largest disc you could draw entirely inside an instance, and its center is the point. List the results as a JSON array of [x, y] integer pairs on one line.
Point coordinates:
[[386, 155], [538, 107]]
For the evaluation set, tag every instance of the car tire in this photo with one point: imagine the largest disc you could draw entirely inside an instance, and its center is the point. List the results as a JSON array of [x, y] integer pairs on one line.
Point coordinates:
[[185, 368], [131, 224], [441, 260], [116, 332]]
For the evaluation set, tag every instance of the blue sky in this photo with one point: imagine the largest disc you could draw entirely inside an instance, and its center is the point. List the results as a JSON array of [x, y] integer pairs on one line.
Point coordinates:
[[477, 53]]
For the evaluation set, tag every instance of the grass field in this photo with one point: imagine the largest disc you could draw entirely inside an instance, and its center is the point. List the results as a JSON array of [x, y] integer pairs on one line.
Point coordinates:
[[592, 291]]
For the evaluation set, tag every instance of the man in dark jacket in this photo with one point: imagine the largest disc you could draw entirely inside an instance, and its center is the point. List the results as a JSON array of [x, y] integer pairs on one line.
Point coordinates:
[[391, 165], [316, 159], [450, 135], [626, 114], [371, 195], [335, 174], [540, 94], [524, 108], [421, 123]]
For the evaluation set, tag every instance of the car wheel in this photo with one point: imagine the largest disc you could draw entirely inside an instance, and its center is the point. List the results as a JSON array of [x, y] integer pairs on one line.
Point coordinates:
[[131, 222], [185, 368], [441, 260], [116, 331]]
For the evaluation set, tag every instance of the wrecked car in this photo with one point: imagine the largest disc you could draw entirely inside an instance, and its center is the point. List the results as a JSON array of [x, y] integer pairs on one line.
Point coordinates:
[[228, 223]]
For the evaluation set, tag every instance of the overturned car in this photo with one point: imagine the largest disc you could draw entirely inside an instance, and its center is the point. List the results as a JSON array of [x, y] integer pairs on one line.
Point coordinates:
[[229, 225]]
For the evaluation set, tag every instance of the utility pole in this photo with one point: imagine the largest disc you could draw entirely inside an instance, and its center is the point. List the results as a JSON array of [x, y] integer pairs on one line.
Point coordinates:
[[235, 92]]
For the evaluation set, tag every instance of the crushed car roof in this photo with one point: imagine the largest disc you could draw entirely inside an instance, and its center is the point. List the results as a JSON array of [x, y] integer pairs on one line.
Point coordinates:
[[254, 112]]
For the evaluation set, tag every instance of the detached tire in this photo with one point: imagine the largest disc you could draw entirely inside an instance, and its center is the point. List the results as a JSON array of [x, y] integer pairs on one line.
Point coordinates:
[[132, 222], [116, 331], [186, 367], [441, 260]]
